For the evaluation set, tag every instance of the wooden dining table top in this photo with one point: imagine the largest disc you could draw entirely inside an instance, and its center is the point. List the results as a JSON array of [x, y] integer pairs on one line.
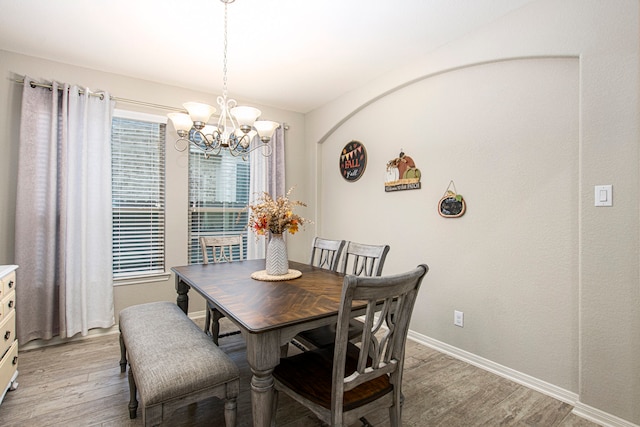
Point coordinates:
[[261, 306]]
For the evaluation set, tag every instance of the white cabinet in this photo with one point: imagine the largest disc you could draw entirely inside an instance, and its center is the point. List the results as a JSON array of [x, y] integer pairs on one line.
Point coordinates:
[[8, 341]]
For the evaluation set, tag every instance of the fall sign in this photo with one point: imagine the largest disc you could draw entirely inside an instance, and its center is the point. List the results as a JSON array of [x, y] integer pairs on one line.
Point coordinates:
[[402, 174], [353, 161]]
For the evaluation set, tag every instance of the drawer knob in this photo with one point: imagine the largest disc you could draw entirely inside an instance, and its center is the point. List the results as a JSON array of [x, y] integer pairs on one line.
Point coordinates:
[[15, 360], [10, 284], [10, 305], [7, 335]]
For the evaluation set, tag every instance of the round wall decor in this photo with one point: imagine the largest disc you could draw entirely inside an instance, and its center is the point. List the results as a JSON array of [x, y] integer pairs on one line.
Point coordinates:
[[353, 161], [451, 205]]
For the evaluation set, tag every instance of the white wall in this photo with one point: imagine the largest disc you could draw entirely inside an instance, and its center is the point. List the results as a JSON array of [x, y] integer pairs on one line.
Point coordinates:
[[549, 284], [507, 134], [13, 65]]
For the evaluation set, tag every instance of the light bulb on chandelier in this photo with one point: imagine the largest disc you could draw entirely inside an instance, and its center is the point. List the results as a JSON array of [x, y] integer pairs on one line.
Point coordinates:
[[236, 128]]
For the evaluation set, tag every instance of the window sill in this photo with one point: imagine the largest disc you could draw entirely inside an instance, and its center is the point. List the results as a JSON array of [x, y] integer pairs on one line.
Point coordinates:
[[142, 279]]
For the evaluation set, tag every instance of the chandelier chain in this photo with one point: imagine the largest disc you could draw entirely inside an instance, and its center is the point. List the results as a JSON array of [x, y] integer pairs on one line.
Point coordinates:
[[224, 60]]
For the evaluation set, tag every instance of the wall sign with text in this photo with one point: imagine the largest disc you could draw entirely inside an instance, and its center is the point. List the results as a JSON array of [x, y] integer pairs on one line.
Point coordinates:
[[402, 174], [451, 205], [353, 161]]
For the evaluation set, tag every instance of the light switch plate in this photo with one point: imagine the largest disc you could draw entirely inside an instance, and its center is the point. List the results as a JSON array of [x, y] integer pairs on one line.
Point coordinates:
[[603, 195], [458, 318]]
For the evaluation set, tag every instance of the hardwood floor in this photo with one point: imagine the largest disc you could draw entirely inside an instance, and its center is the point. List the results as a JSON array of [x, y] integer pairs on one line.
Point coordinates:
[[80, 384]]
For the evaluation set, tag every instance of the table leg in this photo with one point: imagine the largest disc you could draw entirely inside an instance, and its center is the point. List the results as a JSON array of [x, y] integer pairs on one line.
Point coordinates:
[[183, 295], [263, 355]]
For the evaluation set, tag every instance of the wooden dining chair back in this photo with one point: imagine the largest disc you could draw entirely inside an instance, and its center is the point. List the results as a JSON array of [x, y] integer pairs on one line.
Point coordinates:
[[358, 260], [363, 260], [222, 249], [325, 253], [344, 382]]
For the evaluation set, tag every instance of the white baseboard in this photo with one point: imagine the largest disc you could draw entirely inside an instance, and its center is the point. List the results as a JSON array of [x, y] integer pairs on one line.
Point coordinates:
[[93, 333], [600, 417], [579, 409]]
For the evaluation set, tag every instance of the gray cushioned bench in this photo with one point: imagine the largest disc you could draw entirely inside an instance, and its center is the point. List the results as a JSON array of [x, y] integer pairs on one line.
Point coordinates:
[[172, 363]]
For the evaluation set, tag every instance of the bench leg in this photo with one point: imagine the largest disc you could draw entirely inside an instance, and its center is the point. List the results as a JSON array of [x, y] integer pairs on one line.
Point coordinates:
[[230, 412], [123, 355], [133, 401], [152, 416]]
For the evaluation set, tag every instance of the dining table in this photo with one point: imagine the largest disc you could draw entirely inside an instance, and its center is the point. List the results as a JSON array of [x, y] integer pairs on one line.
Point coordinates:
[[269, 313]]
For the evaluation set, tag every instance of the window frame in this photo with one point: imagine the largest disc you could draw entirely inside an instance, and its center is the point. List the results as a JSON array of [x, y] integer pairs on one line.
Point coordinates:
[[203, 203], [142, 277]]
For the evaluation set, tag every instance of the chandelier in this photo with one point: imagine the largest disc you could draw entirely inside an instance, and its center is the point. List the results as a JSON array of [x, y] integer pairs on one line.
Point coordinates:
[[237, 125]]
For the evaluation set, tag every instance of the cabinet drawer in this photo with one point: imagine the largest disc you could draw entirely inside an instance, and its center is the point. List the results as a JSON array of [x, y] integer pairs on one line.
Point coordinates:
[[7, 284], [8, 366], [7, 331], [7, 304]]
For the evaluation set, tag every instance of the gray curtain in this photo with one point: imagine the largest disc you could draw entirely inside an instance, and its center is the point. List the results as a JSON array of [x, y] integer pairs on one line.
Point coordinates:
[[267, 175], [63, 213], [275, 166]]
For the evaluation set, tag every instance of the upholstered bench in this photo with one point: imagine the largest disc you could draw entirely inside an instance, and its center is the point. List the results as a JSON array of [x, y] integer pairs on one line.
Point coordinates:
[[172, 363]]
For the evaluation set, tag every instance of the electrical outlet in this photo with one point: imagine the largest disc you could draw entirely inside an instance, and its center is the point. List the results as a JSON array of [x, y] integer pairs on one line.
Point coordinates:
[[458, 318]]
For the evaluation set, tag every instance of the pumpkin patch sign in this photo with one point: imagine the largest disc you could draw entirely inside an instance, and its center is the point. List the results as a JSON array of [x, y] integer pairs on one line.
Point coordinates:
[[402, 174], [353, 161]]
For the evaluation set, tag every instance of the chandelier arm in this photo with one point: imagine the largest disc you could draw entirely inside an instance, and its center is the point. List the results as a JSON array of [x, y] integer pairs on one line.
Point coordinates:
[[207, 150], [239, 143], [236, 149], [234, 143], [216, 151], [266, 150], [210, 142], [219, 140], [240, 151], [244, 141]]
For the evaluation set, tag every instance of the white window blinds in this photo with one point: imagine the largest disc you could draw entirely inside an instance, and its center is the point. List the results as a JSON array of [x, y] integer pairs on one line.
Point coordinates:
[[218, 195], [138, 186]]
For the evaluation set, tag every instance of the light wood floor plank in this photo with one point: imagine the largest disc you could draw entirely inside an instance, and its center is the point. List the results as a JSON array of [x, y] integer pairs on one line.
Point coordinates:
[[80, 384]]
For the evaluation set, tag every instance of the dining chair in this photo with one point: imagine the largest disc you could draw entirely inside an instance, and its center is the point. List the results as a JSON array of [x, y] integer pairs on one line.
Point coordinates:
[[222, 250], [340, 384], [325, 253], [359, 260]]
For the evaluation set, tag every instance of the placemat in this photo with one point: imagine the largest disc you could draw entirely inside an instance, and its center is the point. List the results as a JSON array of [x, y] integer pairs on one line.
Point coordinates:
[[263, 276]]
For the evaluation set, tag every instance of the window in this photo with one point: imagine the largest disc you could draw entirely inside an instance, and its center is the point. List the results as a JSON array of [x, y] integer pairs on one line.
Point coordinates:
[[138, 194], [218, 195]]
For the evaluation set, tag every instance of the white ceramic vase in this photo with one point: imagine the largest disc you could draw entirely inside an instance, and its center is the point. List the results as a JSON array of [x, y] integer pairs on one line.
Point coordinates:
[[277, 259]]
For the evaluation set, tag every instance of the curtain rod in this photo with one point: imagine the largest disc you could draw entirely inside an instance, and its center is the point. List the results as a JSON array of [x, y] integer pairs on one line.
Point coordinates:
[[113, 98], [117, 99]]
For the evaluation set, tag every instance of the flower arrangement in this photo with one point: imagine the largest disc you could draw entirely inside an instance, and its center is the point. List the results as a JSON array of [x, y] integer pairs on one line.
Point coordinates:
[[275, 216]]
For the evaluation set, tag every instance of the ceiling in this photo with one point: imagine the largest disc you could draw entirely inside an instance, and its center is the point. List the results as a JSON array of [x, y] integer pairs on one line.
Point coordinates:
[[291, 54]]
